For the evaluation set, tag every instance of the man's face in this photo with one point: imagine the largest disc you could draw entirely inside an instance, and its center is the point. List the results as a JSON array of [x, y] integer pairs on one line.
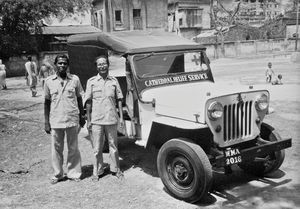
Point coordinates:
[[62, 65], [102, 65]]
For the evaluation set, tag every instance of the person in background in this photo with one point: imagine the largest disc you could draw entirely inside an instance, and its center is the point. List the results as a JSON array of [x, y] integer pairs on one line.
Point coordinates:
[[63, 112], [278, 80], [45, 71], [2, 76], [31, 75], [102, 93], [269, 73]]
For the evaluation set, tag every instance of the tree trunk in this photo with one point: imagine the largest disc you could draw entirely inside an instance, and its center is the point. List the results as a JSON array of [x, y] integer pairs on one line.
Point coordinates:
[[222, 45]]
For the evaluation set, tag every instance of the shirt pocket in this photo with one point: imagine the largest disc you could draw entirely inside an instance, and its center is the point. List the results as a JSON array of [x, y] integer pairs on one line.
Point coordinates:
[[70, 92], [110, 90], [54, 94], [97, 92]]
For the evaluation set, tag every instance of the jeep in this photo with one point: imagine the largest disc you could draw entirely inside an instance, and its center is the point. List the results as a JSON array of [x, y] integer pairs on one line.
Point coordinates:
[[172, 103]]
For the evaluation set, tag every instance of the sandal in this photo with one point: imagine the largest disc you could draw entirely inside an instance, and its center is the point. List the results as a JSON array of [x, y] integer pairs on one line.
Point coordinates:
[[95, 178], [76, 179], [55, 180]]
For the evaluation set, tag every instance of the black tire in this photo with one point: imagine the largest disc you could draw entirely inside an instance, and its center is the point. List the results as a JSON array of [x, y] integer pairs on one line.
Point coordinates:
[[184, 169], [274, 159]]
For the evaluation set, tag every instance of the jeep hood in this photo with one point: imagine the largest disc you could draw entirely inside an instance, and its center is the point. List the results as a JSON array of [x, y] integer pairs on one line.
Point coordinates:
[[187, 101]]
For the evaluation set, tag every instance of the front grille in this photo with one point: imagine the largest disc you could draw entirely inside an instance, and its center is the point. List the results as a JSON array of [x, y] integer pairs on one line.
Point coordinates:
[[237, 120]]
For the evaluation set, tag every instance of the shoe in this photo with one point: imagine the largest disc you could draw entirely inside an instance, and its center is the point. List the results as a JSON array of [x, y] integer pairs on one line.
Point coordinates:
[[119, 174], [103, 170]]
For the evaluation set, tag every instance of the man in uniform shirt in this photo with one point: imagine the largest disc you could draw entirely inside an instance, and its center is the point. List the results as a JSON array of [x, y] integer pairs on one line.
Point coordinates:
[[102, 93], [63, 112]]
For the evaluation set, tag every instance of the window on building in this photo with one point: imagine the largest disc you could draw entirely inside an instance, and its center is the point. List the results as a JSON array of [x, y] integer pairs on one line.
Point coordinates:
[[100, 19], [192, 18], [136, 13], [118, 16], [180, 21], [96, 24]]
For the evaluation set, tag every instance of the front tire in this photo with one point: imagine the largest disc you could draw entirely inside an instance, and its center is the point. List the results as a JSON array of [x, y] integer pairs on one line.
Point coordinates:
[[273, 160], [184, 169]]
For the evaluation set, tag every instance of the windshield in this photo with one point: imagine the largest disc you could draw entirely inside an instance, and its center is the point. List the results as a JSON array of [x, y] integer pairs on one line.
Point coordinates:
[[149, 65]]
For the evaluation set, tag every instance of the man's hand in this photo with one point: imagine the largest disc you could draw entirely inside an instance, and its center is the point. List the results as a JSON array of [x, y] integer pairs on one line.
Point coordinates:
[[81, 120], [47, 128], [88, 125], [122, 123]]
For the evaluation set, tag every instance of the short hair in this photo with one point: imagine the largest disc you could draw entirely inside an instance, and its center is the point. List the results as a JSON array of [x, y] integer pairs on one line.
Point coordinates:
[[269, 63], [102, 56], [61, 56]]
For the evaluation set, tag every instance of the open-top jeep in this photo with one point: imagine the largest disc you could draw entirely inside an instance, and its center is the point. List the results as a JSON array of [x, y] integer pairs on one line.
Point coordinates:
[[173, 103]]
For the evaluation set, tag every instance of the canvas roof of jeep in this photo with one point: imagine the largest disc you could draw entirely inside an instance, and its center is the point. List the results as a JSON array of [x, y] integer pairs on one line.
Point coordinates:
[[132, 42]]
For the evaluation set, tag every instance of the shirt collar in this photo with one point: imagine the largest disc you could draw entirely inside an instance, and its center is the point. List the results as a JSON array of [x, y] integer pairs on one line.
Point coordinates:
[[99, 77], [68, 76]]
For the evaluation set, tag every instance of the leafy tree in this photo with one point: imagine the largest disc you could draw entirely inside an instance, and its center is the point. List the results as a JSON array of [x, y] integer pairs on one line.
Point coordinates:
[[19, 20]]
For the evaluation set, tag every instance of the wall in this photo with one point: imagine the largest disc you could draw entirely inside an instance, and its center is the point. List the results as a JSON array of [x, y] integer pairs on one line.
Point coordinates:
[[15, 66], [251, 48], [156, 14]]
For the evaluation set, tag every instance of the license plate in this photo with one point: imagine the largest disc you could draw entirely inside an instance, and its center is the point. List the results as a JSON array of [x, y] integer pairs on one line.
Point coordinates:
[[232, 156]]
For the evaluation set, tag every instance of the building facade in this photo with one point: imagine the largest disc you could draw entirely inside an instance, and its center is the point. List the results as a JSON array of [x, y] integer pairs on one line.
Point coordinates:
[[120, 15], [188, 17], [256, 12]]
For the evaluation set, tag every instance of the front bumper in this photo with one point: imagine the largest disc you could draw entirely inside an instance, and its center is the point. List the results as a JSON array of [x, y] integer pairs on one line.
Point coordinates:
[[256, 151]]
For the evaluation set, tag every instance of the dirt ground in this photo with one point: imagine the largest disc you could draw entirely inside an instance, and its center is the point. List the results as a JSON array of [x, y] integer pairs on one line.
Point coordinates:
[[25, 166]]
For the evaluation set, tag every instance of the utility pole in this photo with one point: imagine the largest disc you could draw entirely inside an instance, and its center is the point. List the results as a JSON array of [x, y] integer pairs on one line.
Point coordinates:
[[297, 24]]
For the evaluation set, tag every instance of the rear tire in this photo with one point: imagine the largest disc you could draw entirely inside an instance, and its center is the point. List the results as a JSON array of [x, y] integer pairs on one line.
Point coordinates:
[[274, 159], [184, 169]]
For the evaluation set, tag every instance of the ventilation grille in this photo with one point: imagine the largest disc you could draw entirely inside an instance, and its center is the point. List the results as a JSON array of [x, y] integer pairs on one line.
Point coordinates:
[[237, 120]]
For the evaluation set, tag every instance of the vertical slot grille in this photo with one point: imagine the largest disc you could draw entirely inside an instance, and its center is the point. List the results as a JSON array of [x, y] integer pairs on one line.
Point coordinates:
[[237, 120]]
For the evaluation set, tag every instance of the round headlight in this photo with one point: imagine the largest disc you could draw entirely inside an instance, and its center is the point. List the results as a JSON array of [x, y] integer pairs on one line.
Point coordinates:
[[262, 102], [215, 110]]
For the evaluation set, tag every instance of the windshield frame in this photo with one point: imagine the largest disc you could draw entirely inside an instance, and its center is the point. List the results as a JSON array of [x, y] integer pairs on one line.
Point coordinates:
[[153, 81]]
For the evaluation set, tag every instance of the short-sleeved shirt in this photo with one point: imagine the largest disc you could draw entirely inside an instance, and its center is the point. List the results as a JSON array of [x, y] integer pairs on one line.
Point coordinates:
[[64, 112], [104, 93]]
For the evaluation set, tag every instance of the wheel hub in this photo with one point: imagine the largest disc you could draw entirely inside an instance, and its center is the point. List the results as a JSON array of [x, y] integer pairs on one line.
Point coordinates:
[[181, 171]]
